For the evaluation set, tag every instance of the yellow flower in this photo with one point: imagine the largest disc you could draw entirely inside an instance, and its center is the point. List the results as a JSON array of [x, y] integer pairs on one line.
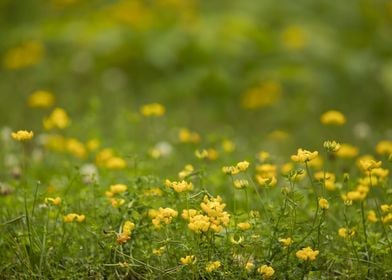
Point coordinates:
[[230, 170], [372, 217], [188, 169], [323, 203], [159, 251], [384, 147], [386, 208], [41, 99], [333, 118], [236, 242], [244, 226], [228, 146], [76, 148], [118, 188], [179, 187], [240, 184], [368, 165], [242, 166], [331, 146], [186, 136], [57, 119], [286, 242], [22, 135], [188, 260], [249, 266], [345, 233], [307, 254], [304, 156], [74, 217], [25, 55], [347, 151], [93, 144], [266, 271], [54, 201], [126, 232], [293, 37], [162, 216], [117, 202], [153, 109], [263, 95], [328, 179], [211, 266]]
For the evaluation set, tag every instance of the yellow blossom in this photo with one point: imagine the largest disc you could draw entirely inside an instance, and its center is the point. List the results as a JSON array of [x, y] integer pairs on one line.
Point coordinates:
[[117, 202], [228, 146], [153, 109], [25, 55], [76, 148], [211, 266], [242, 166], [182, 186], [240, 183], [331, 146], [74, 217], [333, 117], [286, 242], [159, 251], [187, 136], [368, 165], [22, 135], [162, 216], [266, 271], [249, 266], [188, 260], [244, 226], [372, 217], [384, 147], [41, 99], [54, 201], [307, 254], [263, 95], [345, 233], [118, 188], [304, 156], [57, 119], [328, 179], [126, 232], [347, 151], [188, 169]]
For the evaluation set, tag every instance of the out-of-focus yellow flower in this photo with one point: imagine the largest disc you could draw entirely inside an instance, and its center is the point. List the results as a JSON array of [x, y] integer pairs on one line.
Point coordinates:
[[347, 151], [41, 99], [188, 169], [387, 218], [266, 271], [187, 136], [57, 119], [162, 216], [240, 183], [117, 202], [188, 260], [345, 232], [264, 95], [159, 251], [22, 135], [384, 147], [152, 110], [249, 266], [372, 217], [304, 156], [278, 135], [93, 144], [244, 226], [76, 148], [153, 192], [368, 165], [333, 117], [286, 242], [74, 217], [210, 154], [228, 146], [307, 254], [294, 37], [242, 165], [25, 55], [116, 189], [54, 201], [323, 203], [328, 179], [179, 187], [212, 266]]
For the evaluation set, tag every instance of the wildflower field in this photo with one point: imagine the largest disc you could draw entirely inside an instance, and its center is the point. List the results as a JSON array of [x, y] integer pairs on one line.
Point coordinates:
[[192, 139]]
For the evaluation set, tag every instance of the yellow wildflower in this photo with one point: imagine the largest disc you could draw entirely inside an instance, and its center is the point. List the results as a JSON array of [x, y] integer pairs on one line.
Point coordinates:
[[244, 226], [188, 169], [249, 266], [242, 166], [328, 179], [345, 233], [57, 119], [162, 216], [372, 217], [228, 146], [331, 146], [159, 251], [54, 201], [25, 55], [333, 118], [117, 202], [241, 183], [126, 232], [347, 151], [286, 242], [41, 99], [187, 136], [182, 186], [384, 147], [263, 95], [188, 260], [211, 266], [266, 271], [323, 203], [153, 109], [22, 135], [74, 217], [304, 156], [307, 254]]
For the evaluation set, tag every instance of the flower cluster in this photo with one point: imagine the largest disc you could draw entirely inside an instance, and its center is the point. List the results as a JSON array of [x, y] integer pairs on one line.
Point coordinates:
[[266, 175], [328, 178], [152, 110], [115, 190], [179, 187], [235, 169], [106, 158], [162, 216], [74, 217], [187, 136], [41, 99], [22, 135], [212, 266], [126, 232], [57, 119], [307, 254], [333, 117], [266, 271], [188, 260], [304, 156]]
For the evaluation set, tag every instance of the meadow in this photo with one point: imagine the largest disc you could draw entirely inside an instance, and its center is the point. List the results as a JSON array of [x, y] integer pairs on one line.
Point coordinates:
[[190, 139]]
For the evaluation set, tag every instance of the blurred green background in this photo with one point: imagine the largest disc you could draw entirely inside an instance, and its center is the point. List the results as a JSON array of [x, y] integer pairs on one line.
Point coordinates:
[[245, 68]]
